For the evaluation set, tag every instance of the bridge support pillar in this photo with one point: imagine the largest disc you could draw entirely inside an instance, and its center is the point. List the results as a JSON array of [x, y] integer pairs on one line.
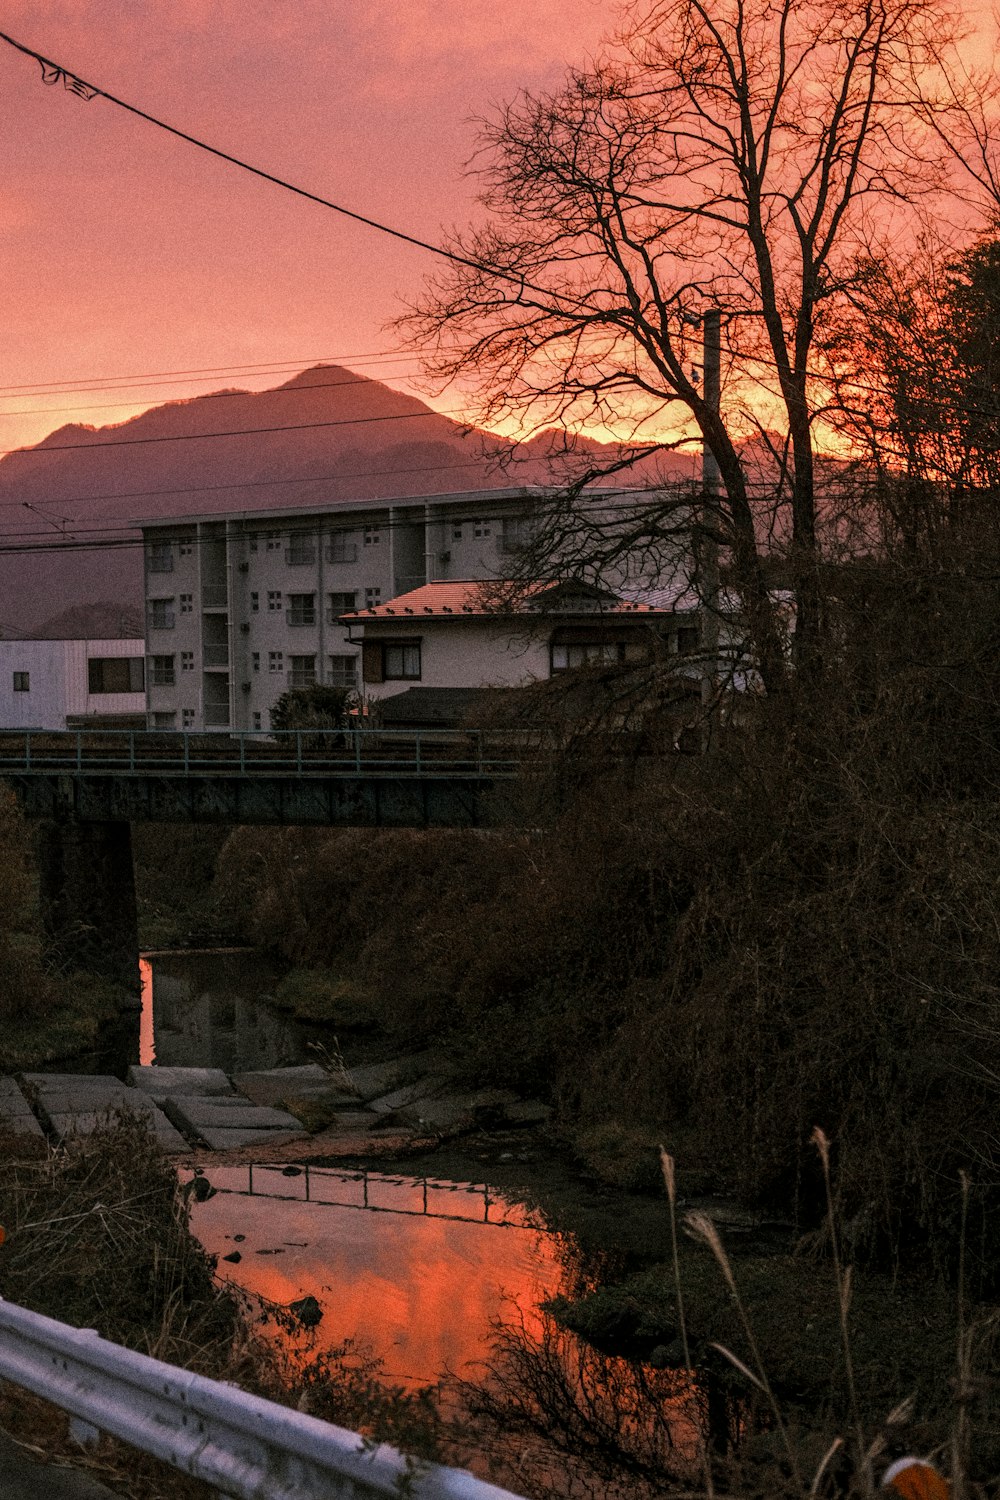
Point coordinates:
[[87, 898]]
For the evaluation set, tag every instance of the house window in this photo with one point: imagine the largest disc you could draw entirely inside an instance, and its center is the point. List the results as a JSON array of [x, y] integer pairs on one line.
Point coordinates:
[[187, 718], [254, 603], [161, 614], [187, 604], [275, 661], [115, 674], [187, 661], [186, 549], [273, 540], [255, 661], [343, 671], [688, 639], [515, 533], [22, 682], [302, 671], [481, 528], [161, 671], [256, 721], [401, 662], [252, 544], [566, 658], [456, 532], [342, 548], [301, 549], [340, 604], [273, 599], [160, 557], [373, 535], [166, 720], [301, 609], [372, 597]]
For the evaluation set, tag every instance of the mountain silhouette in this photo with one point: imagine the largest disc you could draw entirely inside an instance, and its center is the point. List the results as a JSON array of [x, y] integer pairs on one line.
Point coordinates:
[[327, 434]]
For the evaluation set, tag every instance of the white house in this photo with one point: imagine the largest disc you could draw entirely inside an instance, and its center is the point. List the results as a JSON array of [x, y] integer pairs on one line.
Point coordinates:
[[72, 684]]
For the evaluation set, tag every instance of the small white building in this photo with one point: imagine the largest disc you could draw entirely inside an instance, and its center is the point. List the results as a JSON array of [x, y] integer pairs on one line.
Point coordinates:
[[72, 684]]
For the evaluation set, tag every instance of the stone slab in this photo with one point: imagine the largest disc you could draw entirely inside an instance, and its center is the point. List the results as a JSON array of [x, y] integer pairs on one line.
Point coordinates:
[[84, 1101], [54, 1083], [221, 1139], [79, 1123], [377, 1079], [275, 1084], [16, 1116], [409, 1094], [161, 1083], [195, 1112], [457, 1111]]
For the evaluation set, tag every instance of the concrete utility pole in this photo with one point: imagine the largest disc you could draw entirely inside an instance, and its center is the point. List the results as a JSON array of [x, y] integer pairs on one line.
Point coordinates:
[[711, 485]]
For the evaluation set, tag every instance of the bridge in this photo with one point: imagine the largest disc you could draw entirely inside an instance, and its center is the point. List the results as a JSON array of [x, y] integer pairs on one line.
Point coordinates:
[[87, 788]]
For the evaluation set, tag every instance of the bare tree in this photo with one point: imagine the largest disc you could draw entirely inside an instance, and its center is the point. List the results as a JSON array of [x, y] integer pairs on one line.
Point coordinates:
[[730, 155]]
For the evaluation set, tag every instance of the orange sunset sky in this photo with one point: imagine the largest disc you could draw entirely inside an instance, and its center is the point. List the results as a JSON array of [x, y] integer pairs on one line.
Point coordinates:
[[125, 252]]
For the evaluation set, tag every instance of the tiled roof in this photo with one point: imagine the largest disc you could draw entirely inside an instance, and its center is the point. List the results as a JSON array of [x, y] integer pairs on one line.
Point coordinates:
[[467, 597]]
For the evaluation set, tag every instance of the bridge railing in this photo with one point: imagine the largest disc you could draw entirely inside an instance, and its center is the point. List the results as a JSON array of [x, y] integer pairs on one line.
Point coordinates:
[[242, 1445], [301, 752]]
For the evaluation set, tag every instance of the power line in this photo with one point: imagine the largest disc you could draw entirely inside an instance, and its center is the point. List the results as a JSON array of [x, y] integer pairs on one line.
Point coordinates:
[[208, 372]]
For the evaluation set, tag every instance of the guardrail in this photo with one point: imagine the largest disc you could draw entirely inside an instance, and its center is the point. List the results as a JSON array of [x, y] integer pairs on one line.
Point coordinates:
[[246, 1447], [299, 752]]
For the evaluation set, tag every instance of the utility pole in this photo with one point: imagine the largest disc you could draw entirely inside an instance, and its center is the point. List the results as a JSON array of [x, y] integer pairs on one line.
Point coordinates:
[[711, 485]]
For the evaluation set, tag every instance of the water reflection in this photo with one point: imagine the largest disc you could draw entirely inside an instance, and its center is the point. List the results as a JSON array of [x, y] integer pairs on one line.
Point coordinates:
[[209, 1010], [420, 1277]]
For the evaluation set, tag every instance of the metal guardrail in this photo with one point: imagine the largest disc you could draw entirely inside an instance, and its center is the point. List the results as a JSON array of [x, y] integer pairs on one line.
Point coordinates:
[[244, 1446], [298, 752]]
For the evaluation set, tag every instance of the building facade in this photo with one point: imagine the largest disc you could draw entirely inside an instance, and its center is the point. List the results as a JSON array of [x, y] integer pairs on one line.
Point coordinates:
[[242, 607], [72, 684]]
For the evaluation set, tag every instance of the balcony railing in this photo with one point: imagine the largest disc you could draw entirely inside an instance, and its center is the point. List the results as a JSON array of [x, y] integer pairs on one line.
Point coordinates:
[[216, 716], [299, 678], [160, 562], [300, 617], [342, 552], [214, 596], [161, 619], [333, 616], [341, 678], [216, 655], [163, 678], [300, 557]]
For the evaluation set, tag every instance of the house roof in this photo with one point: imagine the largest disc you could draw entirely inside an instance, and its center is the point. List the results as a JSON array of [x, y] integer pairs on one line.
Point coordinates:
[[436, 706], [470, 598]]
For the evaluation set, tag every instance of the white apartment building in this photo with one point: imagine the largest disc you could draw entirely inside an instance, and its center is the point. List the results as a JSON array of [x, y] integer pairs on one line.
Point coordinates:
[[241, 607], [72, 684]]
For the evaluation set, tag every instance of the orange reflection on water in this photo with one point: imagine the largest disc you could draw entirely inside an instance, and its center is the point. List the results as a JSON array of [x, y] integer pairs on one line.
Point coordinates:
[[147, 1046], [415, 1271]]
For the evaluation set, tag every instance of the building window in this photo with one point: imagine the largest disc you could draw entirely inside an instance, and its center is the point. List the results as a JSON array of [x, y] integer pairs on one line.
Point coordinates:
[[566, 658], [255, 661], [301, 550], [302, 671], [481, 528], [340, 604], [187, 661], [186, 549], [161, 671], [166, 720], [342, 548], [252, 544], [254, 603], [275, 661], [301, 609], [256, 721], [186, 604], [343, 671], [373, 535], [688, 639], [160, 557], [274, 541], [273, 600], [401, 663], [161, 614], [115, 674], [456, 532], [515, 533], [187, 718], [22, 682], [372, 597]]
